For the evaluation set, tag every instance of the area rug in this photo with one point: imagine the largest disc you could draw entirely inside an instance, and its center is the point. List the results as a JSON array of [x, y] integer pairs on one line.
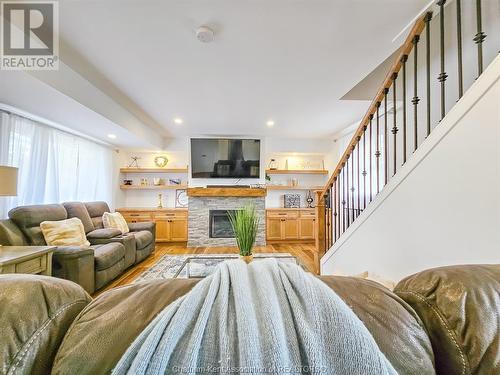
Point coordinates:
[[168, 265]]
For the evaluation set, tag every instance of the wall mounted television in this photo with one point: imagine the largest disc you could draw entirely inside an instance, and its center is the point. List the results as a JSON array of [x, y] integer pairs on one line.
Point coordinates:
[[225, 158]]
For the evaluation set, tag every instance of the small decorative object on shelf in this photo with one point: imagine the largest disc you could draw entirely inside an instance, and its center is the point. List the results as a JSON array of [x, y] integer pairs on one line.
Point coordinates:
[[158, 181], [144, 182], [273, 165], [127, 182], [181, 198], [161, 161], [160, 200], [268, 178], [291, 200], [174, 181], [309, 199], [134, 163], [286, 164], [294, 182]]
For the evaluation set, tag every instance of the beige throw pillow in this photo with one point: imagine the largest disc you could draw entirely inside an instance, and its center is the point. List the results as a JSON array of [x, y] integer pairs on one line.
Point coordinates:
[[68, 232], [115, 221]]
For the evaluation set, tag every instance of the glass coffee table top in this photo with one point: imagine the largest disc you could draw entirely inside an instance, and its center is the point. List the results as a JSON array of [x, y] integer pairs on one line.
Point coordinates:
[[201, 266]]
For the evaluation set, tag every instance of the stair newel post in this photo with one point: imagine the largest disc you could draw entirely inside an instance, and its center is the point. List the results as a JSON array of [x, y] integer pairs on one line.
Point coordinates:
[[415, 99], [394, 128], [364, 167], [442, 76], [403, 62], [386, 148], [479, 37], [377, 152], [428, 18], [320, 231], [459, 49]]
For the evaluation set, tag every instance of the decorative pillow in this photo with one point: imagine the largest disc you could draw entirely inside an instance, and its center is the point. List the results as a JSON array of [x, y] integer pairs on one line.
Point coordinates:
[[116, 221], [389, 284], [68, 232]]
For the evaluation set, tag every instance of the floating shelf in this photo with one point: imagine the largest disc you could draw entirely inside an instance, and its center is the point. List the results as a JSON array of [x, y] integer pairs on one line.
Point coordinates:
[[296, 171], [153, 170], [284, 187], [153, 187], [226, 192]]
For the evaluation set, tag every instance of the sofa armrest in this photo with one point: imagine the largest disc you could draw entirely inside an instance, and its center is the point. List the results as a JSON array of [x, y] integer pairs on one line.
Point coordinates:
[[105, 233], [137, 227], [75, 263]]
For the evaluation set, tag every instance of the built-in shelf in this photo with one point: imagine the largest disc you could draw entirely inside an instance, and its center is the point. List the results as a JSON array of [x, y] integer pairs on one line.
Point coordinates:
[[226, 192], [296, 171], [284, 187], [153, 170], [152, 187]]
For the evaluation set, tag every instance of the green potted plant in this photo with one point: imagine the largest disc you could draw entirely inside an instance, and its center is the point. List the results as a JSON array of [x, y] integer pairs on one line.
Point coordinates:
[[245, 225]]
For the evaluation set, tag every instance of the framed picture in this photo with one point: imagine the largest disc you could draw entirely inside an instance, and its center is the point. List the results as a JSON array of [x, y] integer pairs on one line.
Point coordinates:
[[181, 198], [292, 200]]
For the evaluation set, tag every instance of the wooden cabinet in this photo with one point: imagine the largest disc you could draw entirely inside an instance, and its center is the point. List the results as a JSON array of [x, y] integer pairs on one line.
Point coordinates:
[[290, 224], [171, 224]]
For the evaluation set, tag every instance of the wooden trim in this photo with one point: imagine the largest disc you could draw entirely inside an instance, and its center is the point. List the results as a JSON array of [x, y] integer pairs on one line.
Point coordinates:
[[296, 171], [282, 187], [320, 230], [405, 49], [154, 170], [153, 187], [226, 192], [149, 209]]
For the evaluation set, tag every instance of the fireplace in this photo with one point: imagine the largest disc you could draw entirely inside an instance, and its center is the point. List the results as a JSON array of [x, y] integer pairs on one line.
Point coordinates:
[[219, 224]]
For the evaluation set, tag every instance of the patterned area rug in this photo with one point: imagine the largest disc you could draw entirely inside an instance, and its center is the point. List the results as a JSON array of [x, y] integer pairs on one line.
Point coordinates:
[[199, 266]]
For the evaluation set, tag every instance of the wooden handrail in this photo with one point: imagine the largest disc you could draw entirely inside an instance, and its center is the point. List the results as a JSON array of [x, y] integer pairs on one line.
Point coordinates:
[[405, 50]]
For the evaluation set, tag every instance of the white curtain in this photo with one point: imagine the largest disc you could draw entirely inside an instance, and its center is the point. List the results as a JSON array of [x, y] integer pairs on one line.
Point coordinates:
[[54, 166]]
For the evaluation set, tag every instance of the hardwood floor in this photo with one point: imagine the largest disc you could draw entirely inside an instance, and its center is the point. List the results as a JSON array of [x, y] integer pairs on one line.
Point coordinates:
[[303, 252]]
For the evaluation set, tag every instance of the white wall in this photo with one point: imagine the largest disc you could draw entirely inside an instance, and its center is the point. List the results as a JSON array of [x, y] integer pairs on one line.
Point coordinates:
[[443, 207]]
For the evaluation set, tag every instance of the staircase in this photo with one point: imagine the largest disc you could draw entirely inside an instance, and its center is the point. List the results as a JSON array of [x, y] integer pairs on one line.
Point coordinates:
[[425, 84]]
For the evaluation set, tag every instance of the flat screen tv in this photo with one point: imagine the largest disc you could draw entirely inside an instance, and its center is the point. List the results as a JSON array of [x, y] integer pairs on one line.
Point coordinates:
[[225, 158]]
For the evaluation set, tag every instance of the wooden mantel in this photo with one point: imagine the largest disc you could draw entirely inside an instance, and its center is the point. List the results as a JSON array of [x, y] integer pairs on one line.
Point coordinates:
[[226, 192]]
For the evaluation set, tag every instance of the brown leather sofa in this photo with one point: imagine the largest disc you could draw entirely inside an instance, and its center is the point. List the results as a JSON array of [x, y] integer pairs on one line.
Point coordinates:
[[441, 321], [109, 255]]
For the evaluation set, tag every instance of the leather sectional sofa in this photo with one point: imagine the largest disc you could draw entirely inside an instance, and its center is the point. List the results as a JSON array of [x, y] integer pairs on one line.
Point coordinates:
[[109, 255], [441, 321]]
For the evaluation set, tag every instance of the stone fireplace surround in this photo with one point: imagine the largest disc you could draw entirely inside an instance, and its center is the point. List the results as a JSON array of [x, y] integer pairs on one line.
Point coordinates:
[[198, 219]]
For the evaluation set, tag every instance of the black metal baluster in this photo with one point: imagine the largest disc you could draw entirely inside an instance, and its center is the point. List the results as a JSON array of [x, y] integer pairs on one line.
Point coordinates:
[[428, 18], [364, 167], [327, 229], [403, 61], [343, 200], [394, 128], [352, 184], [459, 45], [330, 216], [334, 209], [415, 99], [386, 159], [348, 192], [377, 153], [479, 38], [370, 164], [338, 204], [442, 76], [357, 177]]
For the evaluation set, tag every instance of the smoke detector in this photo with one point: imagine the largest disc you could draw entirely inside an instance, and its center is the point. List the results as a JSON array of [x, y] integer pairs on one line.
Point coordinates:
[[205, 34]]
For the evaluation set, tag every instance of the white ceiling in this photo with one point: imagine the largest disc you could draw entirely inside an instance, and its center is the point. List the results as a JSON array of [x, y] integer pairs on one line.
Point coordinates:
[[285, 60]]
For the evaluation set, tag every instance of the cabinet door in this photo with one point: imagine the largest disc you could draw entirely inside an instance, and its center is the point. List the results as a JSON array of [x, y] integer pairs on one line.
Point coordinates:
[[291, 229], [306, 228], [178, 230], [274, 231], [162, 230]]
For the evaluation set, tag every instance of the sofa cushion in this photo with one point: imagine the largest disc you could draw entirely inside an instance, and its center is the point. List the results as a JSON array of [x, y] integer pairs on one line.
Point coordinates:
[[32, 327], [115, 220], [103, 234], [11, 235], [67, 232], [78, 209], [107, 255], [28, 219], [143, 238], [96, 210], [459, 306]]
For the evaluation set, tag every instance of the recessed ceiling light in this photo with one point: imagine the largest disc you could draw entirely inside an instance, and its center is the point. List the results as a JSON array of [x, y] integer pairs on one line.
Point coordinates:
[[178, 120], [112, 136], [270, 123]]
